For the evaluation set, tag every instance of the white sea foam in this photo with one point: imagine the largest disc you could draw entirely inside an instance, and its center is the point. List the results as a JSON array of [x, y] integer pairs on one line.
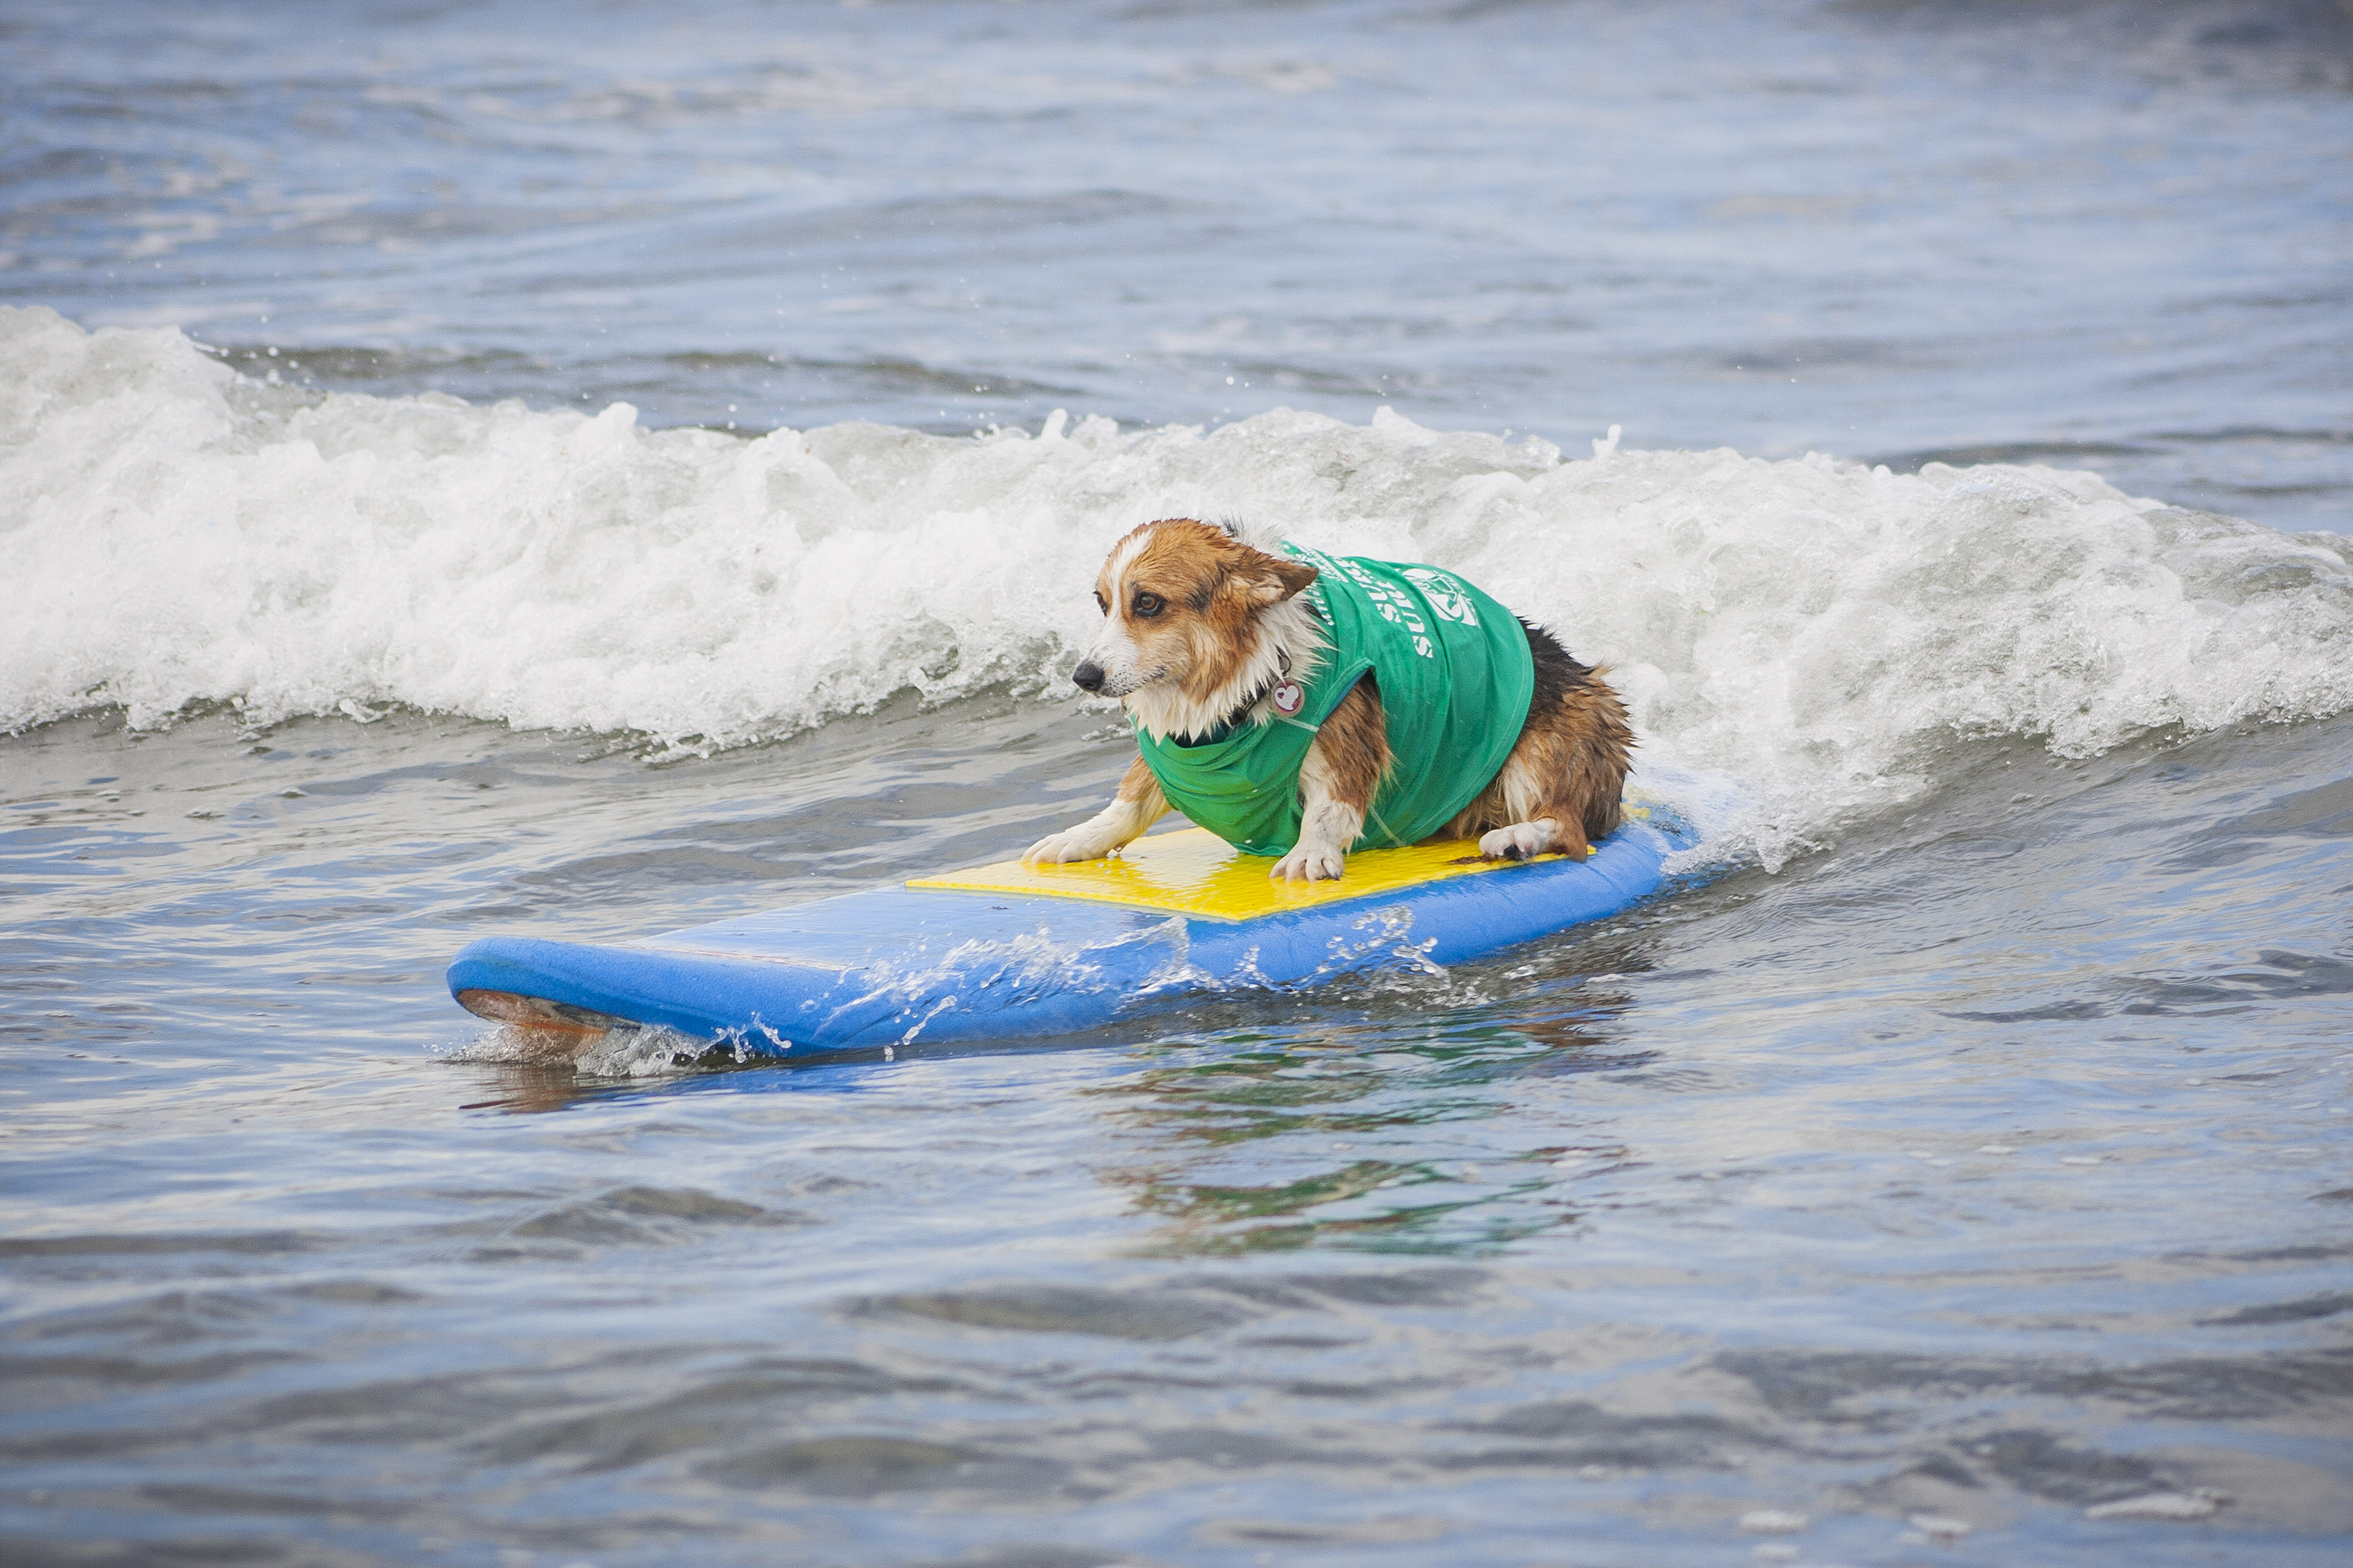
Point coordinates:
[[1789, 635], [617, 1053]]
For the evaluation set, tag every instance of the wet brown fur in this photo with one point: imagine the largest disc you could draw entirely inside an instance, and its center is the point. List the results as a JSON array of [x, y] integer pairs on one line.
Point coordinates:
[[1354, 741], [1141, 784], [1571, 759]]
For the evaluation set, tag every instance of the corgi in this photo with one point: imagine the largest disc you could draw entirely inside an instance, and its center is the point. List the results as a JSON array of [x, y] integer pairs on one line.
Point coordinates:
[[1300, 705]]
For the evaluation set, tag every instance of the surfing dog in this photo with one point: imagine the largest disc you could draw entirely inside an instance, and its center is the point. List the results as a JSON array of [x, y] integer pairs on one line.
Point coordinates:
[[1207, 637]]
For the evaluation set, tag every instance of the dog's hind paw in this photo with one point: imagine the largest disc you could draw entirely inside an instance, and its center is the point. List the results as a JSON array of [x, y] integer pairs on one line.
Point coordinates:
[[1520, 841]]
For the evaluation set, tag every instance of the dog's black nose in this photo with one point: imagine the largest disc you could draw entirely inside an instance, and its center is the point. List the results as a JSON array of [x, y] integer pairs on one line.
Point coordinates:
[[1090, 676]]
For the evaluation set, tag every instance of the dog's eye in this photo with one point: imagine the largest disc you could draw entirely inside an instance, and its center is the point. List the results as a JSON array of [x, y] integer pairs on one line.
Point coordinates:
[[1149, 603], [1100, 603]]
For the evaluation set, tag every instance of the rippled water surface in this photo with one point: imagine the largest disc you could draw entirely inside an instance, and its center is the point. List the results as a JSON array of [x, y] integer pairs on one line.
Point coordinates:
[[2114, 237], [1988, 1167], [1952, 1167]]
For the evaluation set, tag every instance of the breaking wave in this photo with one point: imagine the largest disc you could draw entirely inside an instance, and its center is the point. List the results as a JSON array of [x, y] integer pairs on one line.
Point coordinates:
[[180, 534]]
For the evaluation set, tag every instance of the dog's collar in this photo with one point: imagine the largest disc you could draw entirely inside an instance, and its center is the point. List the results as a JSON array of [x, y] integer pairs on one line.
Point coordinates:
[[1225, 727], [1233, 721]]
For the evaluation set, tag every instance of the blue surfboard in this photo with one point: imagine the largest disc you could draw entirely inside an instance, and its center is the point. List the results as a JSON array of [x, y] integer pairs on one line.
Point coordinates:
[[1006, 952]]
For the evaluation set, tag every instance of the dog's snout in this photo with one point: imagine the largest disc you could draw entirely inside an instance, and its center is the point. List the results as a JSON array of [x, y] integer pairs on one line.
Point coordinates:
[[1089, 675]]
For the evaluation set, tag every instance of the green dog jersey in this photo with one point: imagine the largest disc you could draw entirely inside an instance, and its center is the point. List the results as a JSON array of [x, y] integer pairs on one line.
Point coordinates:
[[1455, 678]]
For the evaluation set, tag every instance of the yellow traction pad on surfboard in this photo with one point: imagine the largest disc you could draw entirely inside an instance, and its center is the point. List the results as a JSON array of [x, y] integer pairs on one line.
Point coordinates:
[[1194, 872]]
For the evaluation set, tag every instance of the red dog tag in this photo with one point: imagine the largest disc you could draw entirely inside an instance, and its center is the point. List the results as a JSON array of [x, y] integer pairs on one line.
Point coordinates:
[[1288, 698]]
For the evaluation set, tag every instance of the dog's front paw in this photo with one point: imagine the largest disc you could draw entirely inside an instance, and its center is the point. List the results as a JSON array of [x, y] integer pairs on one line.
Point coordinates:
[[1520, 841], [1310, 863], [1070, 844]]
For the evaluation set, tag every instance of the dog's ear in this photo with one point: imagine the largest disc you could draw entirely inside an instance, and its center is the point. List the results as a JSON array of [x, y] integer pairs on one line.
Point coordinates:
[[1270, 579]]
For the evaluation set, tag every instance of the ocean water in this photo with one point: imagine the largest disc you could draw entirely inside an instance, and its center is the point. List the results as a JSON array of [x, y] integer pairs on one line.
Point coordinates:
[[581, 471]]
